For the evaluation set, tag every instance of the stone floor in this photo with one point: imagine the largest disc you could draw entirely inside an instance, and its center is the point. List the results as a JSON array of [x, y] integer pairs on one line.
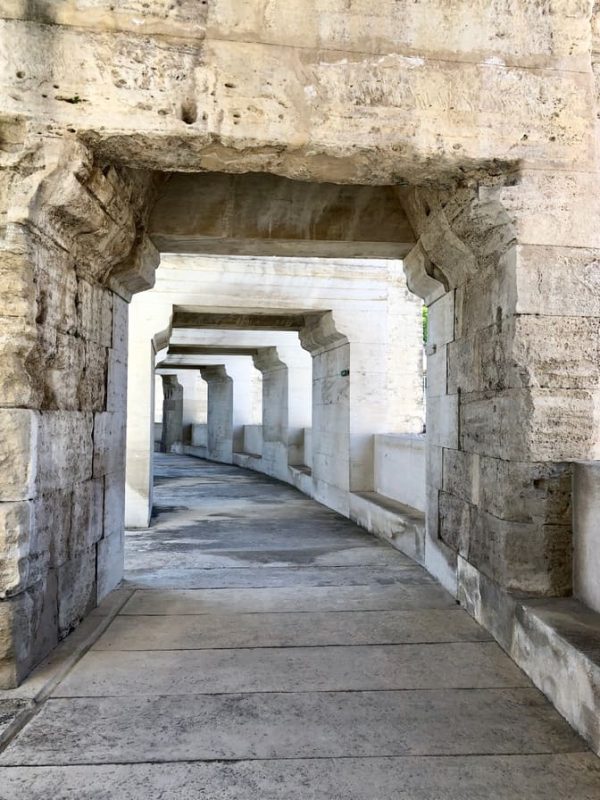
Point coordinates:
[[266, 648]]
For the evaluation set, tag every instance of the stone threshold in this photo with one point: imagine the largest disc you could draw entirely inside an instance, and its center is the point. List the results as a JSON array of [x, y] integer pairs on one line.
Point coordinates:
[[555, 641]]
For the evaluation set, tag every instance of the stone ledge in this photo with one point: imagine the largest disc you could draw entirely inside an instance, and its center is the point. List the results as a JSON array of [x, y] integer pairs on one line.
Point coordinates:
[[194, 450], [301, 468], [555, 641], [248, 461], [401, 525]]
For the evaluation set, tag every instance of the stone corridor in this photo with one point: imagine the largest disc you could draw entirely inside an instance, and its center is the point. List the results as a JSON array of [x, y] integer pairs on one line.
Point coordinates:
[[264, 647]]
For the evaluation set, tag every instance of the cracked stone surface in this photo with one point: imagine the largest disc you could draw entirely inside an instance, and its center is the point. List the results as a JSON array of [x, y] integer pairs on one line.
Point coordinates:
[[334, 669]]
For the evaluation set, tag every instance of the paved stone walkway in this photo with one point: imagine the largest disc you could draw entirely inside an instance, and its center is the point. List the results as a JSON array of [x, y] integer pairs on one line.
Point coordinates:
[[267, 648]]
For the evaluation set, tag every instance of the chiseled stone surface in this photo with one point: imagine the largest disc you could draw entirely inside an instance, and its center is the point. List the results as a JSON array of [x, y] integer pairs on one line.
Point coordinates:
[[551, 777], [263, 693], [315, 669], [292, 725], [206, 631]]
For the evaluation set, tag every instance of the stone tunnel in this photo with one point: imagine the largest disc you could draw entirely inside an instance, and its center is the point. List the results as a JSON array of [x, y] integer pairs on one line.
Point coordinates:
[[300, 333]]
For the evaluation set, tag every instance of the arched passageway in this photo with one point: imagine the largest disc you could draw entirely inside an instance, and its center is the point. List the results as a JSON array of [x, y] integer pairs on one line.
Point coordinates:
[[263, 644]]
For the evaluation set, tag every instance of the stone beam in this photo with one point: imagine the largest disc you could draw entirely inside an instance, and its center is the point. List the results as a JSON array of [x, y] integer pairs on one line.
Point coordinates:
[[267, 321], [207, 350], [266, 215]]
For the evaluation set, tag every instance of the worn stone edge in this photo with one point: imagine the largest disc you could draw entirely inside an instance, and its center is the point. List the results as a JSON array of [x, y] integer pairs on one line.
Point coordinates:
[[35, 704]]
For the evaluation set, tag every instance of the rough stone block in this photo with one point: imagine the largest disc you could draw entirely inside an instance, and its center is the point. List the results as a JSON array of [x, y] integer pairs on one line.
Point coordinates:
[[442, 421], [557, 281], [94, 313], [441, 321], [25, 548], [541, 352], [455, 522], [549, 208], [555, 352], [111, 556], [437, 372], [120, 318], [485, 301], [92, 390], [18, 456], [52, 513], [87, 514], [461, 475], [28, 630], [116, 383], [109, 443], [59, 364], [20, 384], [64, 449], [526, 492], [17, 288], [76, 590], [56, 285], [522, 557], [114, 503], [531, 425]]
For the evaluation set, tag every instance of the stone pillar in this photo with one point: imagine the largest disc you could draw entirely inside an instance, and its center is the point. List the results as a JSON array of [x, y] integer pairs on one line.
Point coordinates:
[[512, 376], [367, 379], [194, 399], [148, 332], [330, 351], [299, 372], [172, 419], [275, 412], [220, 414], [70, 264]]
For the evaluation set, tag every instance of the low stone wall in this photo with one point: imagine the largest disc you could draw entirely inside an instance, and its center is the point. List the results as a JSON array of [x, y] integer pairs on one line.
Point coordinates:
[[200, 435], [399, 465], [253, 439]]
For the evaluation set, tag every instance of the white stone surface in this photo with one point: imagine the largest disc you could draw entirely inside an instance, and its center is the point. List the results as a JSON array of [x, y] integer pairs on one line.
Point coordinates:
[[400, 468], [253, 439], [586, 534]]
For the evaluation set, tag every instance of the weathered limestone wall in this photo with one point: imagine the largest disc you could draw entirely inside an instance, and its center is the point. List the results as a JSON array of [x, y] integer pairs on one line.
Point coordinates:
[[366, 93], [70, 225], [512, 379]]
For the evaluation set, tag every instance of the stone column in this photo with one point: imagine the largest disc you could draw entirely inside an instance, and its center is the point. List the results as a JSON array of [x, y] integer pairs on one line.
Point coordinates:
[[219, 414], [275, 416], [72, 250], [330, 351], [148, 332], [172, 419], [512, 377], [299, 374], [361, 386]]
